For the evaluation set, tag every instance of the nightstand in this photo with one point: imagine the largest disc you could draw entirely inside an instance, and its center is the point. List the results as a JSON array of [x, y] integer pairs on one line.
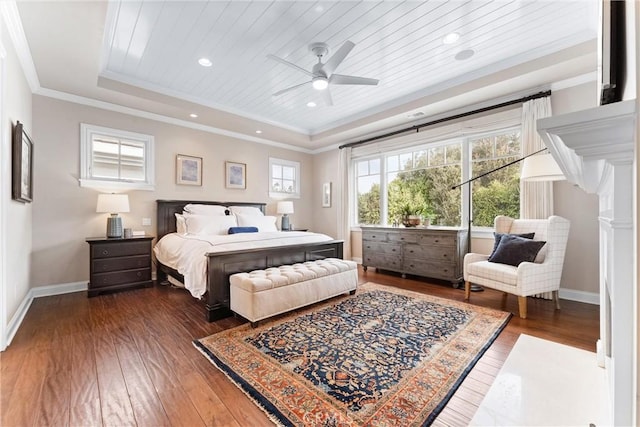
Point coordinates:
[[298, 229], [119, 264]]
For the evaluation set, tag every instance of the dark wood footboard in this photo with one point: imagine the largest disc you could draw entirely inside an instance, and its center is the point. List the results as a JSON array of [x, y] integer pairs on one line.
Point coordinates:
[[221, 266]]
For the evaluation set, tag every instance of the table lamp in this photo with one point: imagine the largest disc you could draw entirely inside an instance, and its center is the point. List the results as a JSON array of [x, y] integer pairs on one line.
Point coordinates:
[[113, 204], [285, 208]]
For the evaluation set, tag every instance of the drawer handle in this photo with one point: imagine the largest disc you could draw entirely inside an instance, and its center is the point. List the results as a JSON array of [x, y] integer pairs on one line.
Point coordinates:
[[444, 255], [411, 251], [402, 238], [437, 240], [393, 250], [373, 236], [105, 252], [139, 274]]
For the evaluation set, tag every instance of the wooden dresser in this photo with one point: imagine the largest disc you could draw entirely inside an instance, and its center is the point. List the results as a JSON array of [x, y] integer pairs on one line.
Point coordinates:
[[436, 252], [118, 264]]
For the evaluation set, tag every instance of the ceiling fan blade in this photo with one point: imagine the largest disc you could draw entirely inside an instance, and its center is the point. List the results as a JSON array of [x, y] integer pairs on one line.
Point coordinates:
[[290, 64], [326, 95], [332, 63], [280, 92], [339, 79]]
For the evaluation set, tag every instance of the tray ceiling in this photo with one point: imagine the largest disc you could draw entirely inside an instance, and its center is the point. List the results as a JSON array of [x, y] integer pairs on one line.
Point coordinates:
[[155, 46]]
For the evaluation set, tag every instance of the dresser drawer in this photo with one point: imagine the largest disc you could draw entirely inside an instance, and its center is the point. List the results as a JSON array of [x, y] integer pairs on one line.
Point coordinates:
[[383, 248], [437, 240], [103, 265], [120, 277], [389, 262], [430, 253], [376, 236], [107, 250], [438, 271], [403, 237]]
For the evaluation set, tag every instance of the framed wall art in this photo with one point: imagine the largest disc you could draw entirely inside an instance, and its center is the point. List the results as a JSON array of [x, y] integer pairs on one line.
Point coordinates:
[[236, 175], [22, 165], [326, 195], [188, 170]]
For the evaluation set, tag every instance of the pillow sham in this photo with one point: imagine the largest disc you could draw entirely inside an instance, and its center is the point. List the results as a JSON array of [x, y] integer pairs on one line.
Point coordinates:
[[238, 230], [513, 250], [210, 224], [498, 237], [181, 224], [196, 209], [246, 210], [263, 223]]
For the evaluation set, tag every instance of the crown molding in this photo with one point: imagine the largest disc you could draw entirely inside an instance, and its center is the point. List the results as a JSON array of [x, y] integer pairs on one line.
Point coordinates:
[[9, 10]]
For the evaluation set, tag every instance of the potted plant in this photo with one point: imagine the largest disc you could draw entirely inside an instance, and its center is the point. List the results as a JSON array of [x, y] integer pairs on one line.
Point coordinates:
[[411, 215]]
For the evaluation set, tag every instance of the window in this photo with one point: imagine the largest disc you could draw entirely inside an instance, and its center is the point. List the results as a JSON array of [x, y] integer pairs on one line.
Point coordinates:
[[111, 158], [284, 178], [421, 178]]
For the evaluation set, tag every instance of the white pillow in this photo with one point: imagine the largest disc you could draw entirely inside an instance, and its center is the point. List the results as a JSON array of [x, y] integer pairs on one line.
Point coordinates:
[[264, 223], [210, 224], [196, 209], [181, 224], [246, 210]]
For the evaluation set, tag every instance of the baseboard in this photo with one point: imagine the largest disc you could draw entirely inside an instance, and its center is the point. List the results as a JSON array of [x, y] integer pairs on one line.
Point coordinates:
[[580, 296], [37, 292], [64, 288]]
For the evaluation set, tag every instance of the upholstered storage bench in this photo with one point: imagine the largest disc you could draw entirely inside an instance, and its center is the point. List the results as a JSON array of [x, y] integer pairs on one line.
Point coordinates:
[[264, 293]]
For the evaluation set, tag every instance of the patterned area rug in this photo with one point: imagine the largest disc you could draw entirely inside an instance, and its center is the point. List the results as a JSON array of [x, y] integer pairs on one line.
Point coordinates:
[[382, 357]]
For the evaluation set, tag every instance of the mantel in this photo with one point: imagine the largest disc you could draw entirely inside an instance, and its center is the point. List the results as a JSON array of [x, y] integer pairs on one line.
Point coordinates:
[[595, 149], [581, 142]]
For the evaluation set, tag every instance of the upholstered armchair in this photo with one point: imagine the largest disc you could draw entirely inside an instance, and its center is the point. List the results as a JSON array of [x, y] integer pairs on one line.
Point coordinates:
[[521, 278]]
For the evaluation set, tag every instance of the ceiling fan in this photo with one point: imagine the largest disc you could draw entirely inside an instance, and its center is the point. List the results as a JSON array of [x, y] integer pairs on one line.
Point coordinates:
[[322, 74]]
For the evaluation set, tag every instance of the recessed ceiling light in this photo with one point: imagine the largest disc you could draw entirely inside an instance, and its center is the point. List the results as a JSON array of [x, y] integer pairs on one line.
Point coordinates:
[[205, 62], [311, 104], [193, 115], [258, 131], [450, 38], [464, 54]]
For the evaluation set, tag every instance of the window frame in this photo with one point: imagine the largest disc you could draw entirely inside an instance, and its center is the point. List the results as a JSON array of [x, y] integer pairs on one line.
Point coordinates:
[[466, 165], [288, 163], [87, 132]]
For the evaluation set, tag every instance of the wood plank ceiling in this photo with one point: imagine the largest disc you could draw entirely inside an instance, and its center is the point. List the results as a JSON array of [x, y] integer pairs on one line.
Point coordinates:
[[156, 45]]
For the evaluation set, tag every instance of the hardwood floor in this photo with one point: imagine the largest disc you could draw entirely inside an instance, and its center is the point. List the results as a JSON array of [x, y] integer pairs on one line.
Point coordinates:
[[127, 358]]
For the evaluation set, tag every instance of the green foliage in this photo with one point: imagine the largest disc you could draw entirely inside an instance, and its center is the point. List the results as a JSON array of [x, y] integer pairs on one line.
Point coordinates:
[[369, 206], [428, 192]]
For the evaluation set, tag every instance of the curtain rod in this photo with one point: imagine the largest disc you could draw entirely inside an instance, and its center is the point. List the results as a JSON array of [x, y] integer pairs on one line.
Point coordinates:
[[446, 119]]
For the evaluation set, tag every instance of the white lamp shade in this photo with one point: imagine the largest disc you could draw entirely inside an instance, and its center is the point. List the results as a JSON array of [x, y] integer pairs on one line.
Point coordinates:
[[285, 207], [113, 203], [541, 167]]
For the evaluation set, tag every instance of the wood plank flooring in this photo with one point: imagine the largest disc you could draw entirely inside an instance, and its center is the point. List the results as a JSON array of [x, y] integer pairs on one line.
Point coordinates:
[[127, 359]]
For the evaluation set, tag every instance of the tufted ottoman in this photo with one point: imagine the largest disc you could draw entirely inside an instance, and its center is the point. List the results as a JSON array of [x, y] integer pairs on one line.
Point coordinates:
[[264, 293]]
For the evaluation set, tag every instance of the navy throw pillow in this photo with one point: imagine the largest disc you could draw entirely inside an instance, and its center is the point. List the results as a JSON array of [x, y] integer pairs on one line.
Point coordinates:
[[498, 237], [236, 230], [513, 250]]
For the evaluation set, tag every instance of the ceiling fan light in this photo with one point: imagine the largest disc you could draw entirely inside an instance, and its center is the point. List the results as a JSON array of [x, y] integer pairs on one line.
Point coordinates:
[[320, 83]]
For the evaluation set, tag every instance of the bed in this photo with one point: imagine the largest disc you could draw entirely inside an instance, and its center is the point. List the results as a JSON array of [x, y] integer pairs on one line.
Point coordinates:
[[221, 265]]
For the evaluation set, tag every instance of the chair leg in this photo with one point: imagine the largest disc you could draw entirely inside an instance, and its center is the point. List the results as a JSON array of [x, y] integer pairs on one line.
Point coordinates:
[[556, 297], [522, 306], [504, 299], [467, 290]]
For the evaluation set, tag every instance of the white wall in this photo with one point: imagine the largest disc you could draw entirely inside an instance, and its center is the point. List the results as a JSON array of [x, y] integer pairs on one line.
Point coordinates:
[[64, 213], [18, 234]]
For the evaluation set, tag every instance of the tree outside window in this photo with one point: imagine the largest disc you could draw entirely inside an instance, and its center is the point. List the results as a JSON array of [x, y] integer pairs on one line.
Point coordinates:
[[421, 180]]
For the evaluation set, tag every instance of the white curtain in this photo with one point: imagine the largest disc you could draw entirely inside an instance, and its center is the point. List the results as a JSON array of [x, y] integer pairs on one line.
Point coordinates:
[[536, 198], [342, 196]]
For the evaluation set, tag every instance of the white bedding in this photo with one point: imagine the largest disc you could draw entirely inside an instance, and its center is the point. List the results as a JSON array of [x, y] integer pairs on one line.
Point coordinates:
[[186, 253]]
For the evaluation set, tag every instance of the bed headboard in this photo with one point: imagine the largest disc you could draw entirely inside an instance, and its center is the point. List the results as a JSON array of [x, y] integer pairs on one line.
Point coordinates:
[[166, 210]]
